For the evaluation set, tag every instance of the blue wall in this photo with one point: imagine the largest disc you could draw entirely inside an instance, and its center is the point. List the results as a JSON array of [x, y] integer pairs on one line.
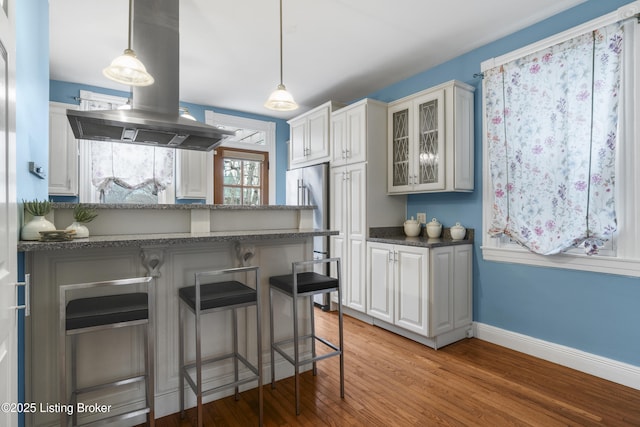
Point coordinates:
[[69, 93], [32, 126], [596, 313]]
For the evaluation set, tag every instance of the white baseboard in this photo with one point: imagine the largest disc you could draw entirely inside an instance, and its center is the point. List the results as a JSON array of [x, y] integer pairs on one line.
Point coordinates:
[[609, 369]]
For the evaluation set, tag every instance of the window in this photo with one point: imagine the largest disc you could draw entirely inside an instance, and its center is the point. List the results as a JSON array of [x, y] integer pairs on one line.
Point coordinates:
[[240, 177], [122, 173], [622, 255]]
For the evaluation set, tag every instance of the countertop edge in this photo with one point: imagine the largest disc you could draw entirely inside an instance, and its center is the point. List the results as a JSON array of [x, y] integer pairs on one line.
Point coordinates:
[[419, 241], [181, 206], [171, 239]]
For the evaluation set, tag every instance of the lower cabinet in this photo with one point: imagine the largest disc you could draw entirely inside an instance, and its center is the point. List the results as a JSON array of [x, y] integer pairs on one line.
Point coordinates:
[[424, 291]]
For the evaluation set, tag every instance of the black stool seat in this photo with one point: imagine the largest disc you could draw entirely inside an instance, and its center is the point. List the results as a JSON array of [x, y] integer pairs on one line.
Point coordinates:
[[307, 282], [106, 310], [220, 294]]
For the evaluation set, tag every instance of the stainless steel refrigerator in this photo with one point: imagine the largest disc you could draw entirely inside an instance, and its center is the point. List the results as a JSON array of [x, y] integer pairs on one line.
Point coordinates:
[[310, 186]]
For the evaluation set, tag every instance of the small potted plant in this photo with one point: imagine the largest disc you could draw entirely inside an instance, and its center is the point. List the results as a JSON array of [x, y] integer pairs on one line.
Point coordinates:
[[37, 209], [82, 215]]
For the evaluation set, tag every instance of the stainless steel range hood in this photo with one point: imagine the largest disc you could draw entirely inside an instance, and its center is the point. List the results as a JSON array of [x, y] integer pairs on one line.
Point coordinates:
[[154, 118]]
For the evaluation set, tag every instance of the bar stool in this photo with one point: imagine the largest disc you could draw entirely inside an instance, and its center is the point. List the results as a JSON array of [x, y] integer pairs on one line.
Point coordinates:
[[208, 297], [98, 313], [302, 284]]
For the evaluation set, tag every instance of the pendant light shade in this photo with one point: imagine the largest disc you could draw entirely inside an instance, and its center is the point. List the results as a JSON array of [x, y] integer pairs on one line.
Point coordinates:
[[280, 99], [126, 68]]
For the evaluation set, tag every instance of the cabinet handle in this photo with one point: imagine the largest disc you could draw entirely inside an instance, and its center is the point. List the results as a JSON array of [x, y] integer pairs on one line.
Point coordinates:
[[27, 295], [347, 154], [390, 256]]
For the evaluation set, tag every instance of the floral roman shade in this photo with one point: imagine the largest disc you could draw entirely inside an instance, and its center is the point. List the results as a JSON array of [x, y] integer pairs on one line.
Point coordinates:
[[552, 126], [130, 166]]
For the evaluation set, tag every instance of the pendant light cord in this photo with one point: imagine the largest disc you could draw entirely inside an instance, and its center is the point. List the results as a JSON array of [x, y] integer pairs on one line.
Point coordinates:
[[281, 79], [130, 19]]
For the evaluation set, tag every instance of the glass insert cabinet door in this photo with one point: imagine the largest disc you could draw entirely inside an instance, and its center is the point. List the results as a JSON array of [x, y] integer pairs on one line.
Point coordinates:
[[417, 144]]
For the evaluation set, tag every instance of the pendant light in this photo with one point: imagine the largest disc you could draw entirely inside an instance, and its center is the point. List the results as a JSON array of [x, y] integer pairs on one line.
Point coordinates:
[[280, 99], [126, 68]]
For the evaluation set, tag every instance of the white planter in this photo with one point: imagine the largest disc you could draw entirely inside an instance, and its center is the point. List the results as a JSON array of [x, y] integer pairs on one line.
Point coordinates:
[[32, 229], [81, 230]]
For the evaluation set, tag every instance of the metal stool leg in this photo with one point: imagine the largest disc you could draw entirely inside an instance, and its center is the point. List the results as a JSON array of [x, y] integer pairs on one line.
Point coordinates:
[[313, 335], [181, 356], [235, 352], [272, 340]]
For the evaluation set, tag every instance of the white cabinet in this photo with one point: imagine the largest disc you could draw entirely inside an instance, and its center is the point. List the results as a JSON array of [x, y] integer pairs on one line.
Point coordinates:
[[191, 174], [348, 199], [348, 129], [309, 136], [358, 198], [431, 145], [63, 152], [426, 291]]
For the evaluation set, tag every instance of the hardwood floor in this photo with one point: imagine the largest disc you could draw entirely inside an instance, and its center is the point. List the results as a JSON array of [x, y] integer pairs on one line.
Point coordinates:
[[393, 381]]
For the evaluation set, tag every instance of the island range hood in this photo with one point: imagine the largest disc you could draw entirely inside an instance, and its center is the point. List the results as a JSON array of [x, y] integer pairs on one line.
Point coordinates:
[[154, 117]]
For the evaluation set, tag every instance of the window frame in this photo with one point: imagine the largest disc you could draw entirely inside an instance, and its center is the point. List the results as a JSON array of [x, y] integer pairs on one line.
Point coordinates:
[[222, 153], [269, 128], [625, 260]]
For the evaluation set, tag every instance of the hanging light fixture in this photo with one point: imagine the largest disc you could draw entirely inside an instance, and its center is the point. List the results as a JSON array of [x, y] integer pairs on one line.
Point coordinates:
[[280, 99], [126, 68]]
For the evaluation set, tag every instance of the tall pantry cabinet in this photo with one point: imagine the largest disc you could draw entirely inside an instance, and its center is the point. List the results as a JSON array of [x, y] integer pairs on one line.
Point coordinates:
[[358, 196]]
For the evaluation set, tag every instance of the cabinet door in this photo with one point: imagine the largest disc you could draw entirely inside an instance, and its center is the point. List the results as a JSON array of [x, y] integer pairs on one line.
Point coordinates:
[[411, 284], [441, 291], [462, 286], [355, 218], [399, 164], [356, 135], [191, 174], [338, 139], [427, 150], [318, 136], [63, 152], [380, 277], [298, 144]]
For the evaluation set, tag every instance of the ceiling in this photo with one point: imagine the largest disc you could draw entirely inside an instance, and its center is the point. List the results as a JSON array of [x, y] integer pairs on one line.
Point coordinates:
[[333, 49]]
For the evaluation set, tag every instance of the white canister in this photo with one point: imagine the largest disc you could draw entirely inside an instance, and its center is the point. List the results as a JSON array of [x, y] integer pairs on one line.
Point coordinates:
[[434, 228], [412, 228], [458, 232]]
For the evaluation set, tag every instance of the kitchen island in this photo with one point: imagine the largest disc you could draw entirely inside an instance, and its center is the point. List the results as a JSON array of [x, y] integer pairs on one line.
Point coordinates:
[[170, 243]]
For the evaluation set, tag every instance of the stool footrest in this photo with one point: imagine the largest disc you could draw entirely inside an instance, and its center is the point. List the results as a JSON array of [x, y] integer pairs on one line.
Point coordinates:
[[336, 350], [239, 357], [111, 419], [116, 383]]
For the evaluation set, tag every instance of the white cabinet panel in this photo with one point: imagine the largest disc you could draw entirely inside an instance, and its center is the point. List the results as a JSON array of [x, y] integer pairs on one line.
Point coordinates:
[[63, 152], [191, 174], [441, 297], [380, 278], [349, 135], [412, 285]]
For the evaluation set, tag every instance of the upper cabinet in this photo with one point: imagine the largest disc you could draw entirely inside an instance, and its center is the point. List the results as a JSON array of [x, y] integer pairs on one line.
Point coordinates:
[[349, 138], [430, 142], [309, 139], [63, 152]]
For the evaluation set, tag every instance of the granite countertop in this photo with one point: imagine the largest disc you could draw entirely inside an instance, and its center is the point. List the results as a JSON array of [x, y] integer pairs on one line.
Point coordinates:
[[185, 206], [119, 241], [396, 236]]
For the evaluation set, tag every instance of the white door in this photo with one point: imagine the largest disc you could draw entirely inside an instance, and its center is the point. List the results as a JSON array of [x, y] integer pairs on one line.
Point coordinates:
[[8, 213]]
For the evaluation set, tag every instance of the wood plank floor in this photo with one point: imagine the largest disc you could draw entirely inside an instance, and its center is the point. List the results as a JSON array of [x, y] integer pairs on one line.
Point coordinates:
[[393, 381]]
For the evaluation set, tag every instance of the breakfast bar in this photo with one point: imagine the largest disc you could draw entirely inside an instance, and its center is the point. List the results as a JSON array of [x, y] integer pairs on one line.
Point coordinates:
[[169, 243]]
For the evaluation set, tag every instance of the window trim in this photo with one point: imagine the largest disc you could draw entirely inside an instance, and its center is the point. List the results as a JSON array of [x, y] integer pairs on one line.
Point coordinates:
[[222, 152], [626, 261]]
